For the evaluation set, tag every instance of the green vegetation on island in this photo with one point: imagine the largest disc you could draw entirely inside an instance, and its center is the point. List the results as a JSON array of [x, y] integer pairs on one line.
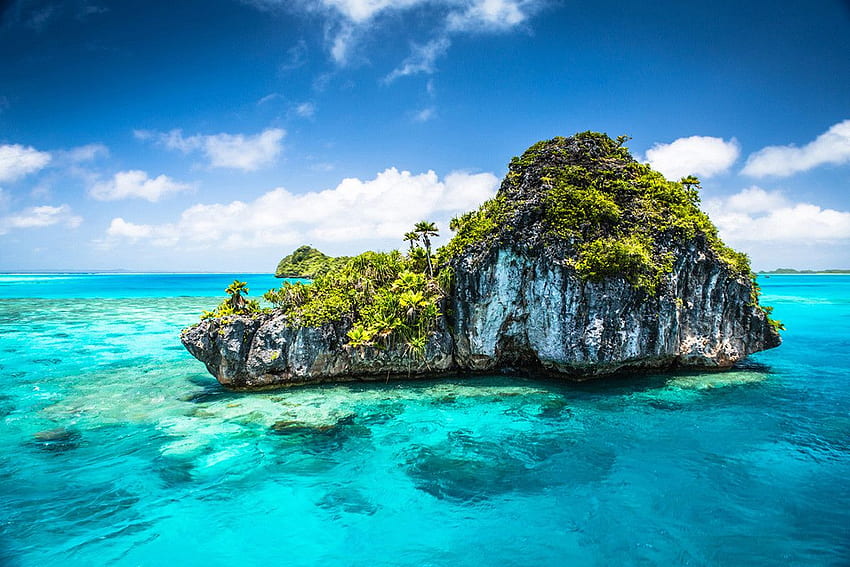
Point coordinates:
[[388, 297], [235, 304], [307, 262]]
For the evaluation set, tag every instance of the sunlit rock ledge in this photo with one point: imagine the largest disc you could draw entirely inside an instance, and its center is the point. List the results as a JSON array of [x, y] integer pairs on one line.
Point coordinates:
[[586, 264]]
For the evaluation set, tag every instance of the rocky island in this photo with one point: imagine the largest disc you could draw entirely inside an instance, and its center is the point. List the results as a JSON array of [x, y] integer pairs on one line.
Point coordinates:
[[586, 263]]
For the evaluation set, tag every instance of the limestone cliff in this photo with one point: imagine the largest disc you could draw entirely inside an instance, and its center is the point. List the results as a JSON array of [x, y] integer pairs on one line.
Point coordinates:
[[522, 311], [585, 263]]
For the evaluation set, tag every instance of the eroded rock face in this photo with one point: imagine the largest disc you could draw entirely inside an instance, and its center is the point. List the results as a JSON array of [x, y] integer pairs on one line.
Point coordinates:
[[517, 310], [250, 353]]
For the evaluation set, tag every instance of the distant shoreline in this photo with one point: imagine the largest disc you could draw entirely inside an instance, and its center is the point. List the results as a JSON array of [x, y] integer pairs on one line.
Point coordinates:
[[107, 273], [806, 273], [128, 273]]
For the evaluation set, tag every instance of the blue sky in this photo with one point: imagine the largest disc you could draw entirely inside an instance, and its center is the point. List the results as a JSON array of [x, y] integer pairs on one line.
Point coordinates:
[[219, 135]]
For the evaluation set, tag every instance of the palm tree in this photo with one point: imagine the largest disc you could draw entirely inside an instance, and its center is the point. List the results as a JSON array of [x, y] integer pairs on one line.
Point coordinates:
[[235, 291], [426, 230], [411, 237]]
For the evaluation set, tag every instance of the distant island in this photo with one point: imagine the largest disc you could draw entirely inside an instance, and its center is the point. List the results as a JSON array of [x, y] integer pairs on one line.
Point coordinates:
[[780, 271], [584, 264], [308, 263]]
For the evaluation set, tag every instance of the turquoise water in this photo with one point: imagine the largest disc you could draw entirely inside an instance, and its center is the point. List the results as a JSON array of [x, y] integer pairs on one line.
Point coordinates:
[[117, 448]]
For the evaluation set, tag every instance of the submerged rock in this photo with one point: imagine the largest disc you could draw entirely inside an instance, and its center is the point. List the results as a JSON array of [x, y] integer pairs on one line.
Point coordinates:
[[586, 263], [58, 439]]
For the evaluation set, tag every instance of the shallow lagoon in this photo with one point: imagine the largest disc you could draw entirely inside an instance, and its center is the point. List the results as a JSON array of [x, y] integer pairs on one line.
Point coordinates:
[[118, 448]]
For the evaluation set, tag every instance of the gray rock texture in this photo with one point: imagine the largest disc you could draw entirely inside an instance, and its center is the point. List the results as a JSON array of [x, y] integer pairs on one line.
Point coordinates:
[[252, 353], [521, 311]]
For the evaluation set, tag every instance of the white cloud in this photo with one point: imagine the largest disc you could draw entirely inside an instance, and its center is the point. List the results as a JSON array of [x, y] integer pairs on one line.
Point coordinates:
[[123, 229], [421, 60], [756, 215], [425, 114], [234, 151], [342, 43], [755, 200], [16, 161], [39, 217], [89, 152], [296, 56], [703, 156], [491, 15], [383, 208], [460, 15], [305, 110], [266, 99], [136, 184], [359, 11], [347, 21], [831, 147]]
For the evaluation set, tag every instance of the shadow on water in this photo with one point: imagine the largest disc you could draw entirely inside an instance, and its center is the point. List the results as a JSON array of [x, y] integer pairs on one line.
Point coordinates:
[[348, 500], [320, 439], [380, 414], [7, 405], [173, 471], [626, 383], [468, 469], [8, 557], [211, 391], [68, 508]]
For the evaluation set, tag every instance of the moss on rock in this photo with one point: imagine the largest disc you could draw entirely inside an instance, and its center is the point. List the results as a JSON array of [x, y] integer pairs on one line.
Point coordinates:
[[586, 201]]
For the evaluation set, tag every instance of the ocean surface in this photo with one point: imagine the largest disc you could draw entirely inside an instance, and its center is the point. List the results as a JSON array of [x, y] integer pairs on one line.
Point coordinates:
[[117, 448]]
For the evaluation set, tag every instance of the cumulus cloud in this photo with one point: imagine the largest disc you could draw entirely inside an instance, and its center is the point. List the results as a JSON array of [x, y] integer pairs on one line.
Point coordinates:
[[39, 217], [136, 184], [17, 161], [831, 147], [234, 151], [381, 208], [756, 215], [703, 156], [121, 230]]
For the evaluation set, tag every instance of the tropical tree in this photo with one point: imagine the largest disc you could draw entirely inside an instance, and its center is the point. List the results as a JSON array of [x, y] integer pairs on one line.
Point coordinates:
[[691, 185], [418, 260], [426, 230], [235, 291], [411, 237]]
